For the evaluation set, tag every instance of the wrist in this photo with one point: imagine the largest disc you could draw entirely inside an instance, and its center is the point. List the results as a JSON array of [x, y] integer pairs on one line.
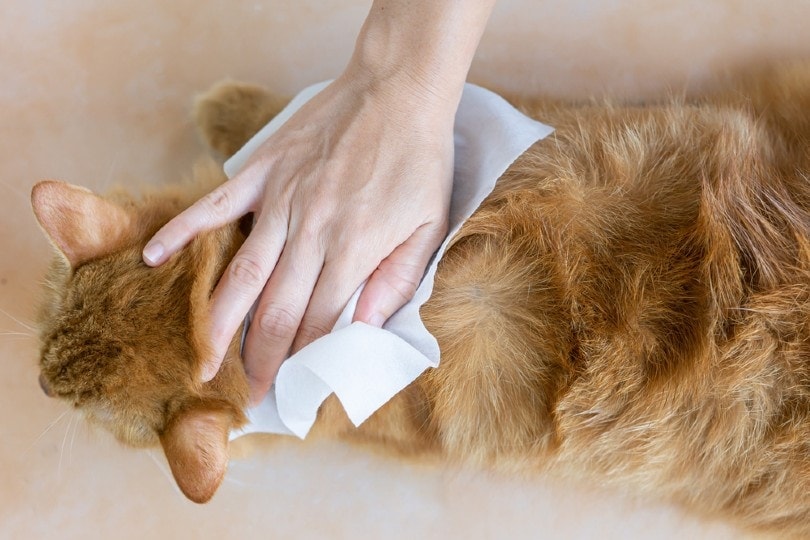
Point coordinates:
[[422, 48]]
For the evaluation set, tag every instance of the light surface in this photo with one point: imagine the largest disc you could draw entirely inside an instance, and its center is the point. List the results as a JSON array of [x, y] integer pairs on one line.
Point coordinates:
[[97, 93]]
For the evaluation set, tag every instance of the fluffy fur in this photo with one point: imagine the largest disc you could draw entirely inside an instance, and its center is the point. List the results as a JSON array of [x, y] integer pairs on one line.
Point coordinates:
[[632, 303]]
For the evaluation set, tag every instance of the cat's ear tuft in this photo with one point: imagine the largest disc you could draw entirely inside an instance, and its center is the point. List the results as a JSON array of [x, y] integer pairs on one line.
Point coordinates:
[[81, 224], [196, 446]]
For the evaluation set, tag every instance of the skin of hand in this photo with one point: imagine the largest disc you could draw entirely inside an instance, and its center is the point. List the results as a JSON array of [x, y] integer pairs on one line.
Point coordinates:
[[354, 187]]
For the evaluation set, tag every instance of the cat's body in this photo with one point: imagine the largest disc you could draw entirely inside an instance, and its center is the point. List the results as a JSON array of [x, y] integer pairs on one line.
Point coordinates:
[[631, 304]]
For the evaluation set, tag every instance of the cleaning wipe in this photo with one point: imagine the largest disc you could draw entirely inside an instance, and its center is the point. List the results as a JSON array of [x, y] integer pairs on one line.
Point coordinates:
[[363, 365]]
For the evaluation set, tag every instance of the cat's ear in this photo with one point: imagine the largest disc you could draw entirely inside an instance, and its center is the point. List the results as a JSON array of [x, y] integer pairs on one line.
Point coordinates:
[[196, 446], [81, 224]]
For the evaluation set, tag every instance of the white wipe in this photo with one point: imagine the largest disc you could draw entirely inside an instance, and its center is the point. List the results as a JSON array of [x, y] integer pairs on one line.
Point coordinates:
[[363, 365]]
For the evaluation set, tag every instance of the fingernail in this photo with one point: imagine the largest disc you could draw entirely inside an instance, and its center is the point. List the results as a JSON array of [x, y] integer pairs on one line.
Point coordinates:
[[376, 320], [153, 252]]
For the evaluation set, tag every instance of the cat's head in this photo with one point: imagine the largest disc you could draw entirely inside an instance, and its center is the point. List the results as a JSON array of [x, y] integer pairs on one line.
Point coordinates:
[[124, 343]]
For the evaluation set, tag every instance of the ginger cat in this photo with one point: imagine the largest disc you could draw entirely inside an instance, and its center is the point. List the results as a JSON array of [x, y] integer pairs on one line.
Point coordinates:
[[632, 304]]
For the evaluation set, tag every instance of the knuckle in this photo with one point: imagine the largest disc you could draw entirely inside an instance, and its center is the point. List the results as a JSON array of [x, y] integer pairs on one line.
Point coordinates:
[[316, 224], [404, 289], [312, 330], [247, 272], [277, 323], [219, 204], [311, 230], [401, 280]]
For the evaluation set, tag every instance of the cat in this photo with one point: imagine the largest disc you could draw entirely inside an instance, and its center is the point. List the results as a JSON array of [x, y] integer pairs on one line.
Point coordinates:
[[631, 304]]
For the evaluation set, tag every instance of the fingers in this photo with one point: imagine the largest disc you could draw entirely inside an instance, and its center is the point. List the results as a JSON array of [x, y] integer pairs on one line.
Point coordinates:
[[226, 203], [288, 318], [336, 285], [242, 282], [279, 313], [394, 282]]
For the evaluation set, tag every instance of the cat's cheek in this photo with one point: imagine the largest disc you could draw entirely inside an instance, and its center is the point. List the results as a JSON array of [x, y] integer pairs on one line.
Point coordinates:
[[140, 437]]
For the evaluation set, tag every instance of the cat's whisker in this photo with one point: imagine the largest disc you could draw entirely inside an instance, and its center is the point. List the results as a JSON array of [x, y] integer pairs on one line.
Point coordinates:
[[113, 163], [72, 440], [18, 321], [17, 338], [25, 334], [13, 336], [47, 429], [17, 191], [62, 448], [230, 480]]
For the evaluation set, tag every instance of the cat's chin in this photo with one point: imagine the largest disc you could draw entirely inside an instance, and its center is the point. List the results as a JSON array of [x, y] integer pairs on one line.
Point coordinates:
[[131, 432]]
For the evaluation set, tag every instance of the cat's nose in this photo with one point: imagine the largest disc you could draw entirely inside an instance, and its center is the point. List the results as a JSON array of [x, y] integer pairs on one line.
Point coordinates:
[[44, 385]]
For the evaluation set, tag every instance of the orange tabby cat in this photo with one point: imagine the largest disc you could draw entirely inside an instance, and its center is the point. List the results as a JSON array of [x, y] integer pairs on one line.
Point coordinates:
[[632, 303]]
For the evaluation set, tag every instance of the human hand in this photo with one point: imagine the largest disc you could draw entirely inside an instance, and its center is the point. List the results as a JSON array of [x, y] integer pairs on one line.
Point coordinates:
[[355, 186]]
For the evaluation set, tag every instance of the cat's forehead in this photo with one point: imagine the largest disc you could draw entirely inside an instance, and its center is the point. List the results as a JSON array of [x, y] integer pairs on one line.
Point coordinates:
[[121, 269]]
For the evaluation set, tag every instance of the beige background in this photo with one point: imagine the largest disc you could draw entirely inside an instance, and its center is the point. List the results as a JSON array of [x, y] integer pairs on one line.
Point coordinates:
[[97, 93]]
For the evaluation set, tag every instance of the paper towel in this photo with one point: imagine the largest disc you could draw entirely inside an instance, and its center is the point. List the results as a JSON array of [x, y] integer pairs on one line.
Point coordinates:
[[363, 365]]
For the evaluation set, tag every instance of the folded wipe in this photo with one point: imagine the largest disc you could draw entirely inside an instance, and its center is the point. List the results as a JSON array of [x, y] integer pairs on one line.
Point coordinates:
[[363, 365]]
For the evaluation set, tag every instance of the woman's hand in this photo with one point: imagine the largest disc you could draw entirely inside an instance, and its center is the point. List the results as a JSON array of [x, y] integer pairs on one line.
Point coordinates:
[[354, 187]]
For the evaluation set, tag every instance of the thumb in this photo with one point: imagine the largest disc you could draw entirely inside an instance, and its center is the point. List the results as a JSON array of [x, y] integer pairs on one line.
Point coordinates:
[[394, 282]]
